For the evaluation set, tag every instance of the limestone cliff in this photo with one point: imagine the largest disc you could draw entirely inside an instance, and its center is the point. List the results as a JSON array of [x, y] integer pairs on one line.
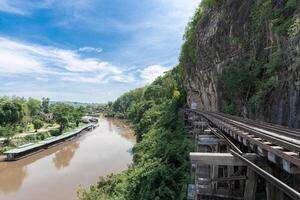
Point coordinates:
[[243, 57]]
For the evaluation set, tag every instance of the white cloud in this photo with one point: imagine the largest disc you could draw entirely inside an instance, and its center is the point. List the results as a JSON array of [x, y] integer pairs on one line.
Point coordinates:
[[17, 62], [158, 36], [150, 73], [90, 49], [20, 58], [6, 6], [155, 37], [101, 78], [42, 79]]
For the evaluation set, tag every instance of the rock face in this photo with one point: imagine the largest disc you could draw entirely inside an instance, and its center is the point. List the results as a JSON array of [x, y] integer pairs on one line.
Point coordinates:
[[226, 35]]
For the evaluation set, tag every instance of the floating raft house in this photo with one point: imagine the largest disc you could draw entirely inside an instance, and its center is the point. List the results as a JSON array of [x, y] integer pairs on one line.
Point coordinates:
[[27, 149]]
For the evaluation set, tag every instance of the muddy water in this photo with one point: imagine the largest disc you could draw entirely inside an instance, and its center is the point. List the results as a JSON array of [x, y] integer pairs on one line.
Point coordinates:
[[57, 173]]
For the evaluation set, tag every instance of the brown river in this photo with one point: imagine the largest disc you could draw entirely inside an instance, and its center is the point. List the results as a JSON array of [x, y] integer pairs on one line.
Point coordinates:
[[57, 173]]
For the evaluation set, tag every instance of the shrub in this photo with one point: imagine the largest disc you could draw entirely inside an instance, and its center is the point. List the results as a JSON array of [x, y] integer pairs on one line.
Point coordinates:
[[55, 132], [209, 3], [37, 124]]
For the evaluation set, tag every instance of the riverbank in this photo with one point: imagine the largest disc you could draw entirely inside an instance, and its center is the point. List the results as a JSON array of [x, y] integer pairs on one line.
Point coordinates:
[[2, 158], [24, 134], [69, 165], [16, 141], [31, 148]]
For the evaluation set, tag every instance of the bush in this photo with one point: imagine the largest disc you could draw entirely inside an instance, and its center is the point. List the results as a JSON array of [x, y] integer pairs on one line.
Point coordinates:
[[42, 136], [119, 115], [6, 132], [19, 129], [30, 138], [37, 124], [5, 148], [55, 132], [209, 3]]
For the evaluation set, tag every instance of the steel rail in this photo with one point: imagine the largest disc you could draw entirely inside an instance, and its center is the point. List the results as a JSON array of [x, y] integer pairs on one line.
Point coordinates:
[[263, 123], [294, 194], [279, 153], [285, 131], [223, 136], [285, 143]]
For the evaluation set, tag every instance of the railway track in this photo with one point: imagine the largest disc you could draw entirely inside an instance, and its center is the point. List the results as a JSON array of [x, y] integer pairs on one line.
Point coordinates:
[[277, 140], [279, 137], [270, 141], [286, 131], [284, 137]]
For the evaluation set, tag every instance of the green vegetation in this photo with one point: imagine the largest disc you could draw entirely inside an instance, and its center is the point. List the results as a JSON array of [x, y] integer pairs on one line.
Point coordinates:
[[160, 169], [65, 114], [188, 50], [189, 47], [248, 82], [18, 115], [34, 107], [37, 124], [294, 27], [45, 105], [208, 3], [11, 113]]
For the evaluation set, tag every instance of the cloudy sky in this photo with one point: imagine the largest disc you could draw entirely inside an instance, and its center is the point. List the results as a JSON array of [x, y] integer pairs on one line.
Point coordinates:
[[88, 50]]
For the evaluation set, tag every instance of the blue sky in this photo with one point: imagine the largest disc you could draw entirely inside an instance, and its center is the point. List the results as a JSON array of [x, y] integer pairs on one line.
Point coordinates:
[[88, 50]]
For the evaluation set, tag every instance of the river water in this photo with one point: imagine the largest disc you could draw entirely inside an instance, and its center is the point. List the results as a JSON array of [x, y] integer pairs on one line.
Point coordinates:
[[57, 173]]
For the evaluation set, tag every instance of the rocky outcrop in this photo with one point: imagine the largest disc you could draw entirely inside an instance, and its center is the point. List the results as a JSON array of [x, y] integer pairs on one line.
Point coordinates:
[[227, 34]]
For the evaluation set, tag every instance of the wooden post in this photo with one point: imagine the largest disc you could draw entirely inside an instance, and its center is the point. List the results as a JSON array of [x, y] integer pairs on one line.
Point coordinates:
[[215, 172], [251, 185], [272, 192], [230, 172]]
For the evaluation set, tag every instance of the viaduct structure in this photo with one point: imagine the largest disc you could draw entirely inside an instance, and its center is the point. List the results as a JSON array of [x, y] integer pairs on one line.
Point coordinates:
[[237, 158]]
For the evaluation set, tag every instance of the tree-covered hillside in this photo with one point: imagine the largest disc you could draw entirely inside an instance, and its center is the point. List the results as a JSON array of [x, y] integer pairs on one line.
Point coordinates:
[[160, 169]]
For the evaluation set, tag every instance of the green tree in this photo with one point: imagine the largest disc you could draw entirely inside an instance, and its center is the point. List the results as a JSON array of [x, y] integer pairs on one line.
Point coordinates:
[[34, 106], [63, 114], [153, 92], [11, 113], [78, 114], [37, 124], [45, 104], [7, 133]]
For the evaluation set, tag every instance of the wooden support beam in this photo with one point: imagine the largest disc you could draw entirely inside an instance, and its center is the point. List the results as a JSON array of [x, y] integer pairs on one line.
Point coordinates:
[[219, 159], [208, 140]]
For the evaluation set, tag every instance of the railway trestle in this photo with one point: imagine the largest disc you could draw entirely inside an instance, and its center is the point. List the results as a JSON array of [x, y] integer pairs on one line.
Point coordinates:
[[235, 160]]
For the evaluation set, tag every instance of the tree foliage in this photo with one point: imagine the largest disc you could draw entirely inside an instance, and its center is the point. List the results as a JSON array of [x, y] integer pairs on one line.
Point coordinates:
[[160, 168], [45, 104], [34, 106], [11, 113], [248, 82], [62, 114], [37, 124]]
